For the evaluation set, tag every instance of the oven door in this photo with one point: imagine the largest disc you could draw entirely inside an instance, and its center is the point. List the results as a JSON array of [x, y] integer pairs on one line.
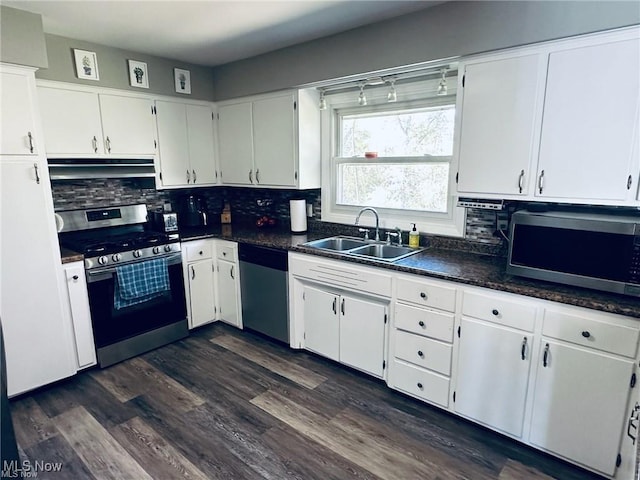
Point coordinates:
[[112, 326]]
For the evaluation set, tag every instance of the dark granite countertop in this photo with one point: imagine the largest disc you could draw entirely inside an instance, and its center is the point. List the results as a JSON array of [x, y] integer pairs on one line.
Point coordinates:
[[69, 256], [465, 267]]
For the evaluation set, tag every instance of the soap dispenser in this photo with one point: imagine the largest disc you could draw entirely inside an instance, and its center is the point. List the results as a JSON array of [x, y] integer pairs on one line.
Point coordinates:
[[414, 237]]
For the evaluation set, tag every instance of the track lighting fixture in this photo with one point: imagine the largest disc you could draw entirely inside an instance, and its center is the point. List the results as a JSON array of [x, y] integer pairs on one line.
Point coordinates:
[[362, 99], [392, 96], [322, 104], [442, 86]]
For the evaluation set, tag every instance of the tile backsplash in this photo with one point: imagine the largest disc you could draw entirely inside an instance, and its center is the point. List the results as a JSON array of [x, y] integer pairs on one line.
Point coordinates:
[[245, 203]]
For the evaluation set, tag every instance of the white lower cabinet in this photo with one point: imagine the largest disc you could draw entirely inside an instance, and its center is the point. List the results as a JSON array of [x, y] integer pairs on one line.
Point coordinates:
[[584, 380], [212, 284], [78, 308], [321, 322]]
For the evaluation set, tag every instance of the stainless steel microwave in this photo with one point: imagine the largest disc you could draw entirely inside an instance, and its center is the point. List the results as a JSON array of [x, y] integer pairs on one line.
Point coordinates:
[[600, 251]]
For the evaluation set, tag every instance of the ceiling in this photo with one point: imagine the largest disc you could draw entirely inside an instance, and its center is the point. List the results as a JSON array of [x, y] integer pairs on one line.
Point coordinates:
[[209, 32]]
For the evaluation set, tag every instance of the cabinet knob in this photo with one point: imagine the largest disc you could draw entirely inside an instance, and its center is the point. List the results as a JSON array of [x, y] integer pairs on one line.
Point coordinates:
[[201, 252], [421, 323], [420, 386], [423, 295], [495, 312], [75, 278], [586, 334], [420, 354]]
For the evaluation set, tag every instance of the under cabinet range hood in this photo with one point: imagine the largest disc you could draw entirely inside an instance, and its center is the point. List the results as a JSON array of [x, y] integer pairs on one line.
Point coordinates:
[[89, 168]]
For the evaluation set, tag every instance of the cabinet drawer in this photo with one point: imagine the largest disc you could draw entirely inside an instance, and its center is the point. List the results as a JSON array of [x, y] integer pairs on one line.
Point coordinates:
[[424, 322], [426, 294], [608, 337], [420, 382], [198, 250], [423, 352], [226, 252], [498, 309]]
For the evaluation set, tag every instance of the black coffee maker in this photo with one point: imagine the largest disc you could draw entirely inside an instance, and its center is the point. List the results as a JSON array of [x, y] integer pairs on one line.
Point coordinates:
[[193, 211]]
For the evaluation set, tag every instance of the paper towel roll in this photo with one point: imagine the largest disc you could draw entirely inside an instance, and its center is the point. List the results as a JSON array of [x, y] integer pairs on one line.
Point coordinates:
[[298, 212]]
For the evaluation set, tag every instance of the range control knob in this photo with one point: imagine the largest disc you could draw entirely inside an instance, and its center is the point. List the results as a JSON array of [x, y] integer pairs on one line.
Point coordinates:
[[167, 248], [137, 253], [156, 250], [116, 257], [103, 260]]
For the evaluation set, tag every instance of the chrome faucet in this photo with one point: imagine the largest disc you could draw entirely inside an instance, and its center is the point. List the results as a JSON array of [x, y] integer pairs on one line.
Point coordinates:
[[372, 210]]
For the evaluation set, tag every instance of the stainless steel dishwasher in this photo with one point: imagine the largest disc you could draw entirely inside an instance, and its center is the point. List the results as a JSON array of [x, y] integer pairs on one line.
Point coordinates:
[[264, 287]]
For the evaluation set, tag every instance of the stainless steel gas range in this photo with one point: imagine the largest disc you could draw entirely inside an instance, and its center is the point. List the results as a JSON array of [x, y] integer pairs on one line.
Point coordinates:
[[134, 279]]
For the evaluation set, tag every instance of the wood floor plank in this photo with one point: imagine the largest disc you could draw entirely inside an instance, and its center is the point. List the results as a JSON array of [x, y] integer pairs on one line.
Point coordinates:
[[31, 424], [100, 452], [57, 450], [310, 459], [153, 452], [516, 471], [120, 380], [207, 452], [381, 460], [282, 366]]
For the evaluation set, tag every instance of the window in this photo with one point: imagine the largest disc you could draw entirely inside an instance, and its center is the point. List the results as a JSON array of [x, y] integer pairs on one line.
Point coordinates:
[[406, 174]]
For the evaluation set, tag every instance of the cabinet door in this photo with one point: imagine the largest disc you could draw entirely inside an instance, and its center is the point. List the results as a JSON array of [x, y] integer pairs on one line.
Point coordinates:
[[590, 111], [76, 285], [499, 110], [235, 136], [229, 293], [201, 147], [201, 292], [37, 335], [173, 143], [579, 404], [274, 136], [18, 114], [71, 122], [127, 125], [362, 326], [493, 375], [321, 322]]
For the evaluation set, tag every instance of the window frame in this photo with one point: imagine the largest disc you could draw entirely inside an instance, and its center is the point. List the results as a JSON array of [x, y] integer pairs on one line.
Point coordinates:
[[416, 95]]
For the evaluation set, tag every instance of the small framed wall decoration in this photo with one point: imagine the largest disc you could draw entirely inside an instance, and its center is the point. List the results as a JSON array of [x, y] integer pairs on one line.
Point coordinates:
[[138, 76], [183, 80], [86, 64]]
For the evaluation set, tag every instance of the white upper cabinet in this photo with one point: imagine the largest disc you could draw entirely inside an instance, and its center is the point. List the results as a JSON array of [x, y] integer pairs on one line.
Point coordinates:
[[235, 133], [500, 103], [566, 137], [185, 144], [81, 122], [127, 125], [271, 141], [71, 121], [590, 113], [19, 112]]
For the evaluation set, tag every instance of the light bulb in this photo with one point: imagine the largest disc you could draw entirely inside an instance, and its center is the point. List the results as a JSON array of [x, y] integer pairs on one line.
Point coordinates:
[[362, 99], [442, 86], [322, 104], [392, 96]]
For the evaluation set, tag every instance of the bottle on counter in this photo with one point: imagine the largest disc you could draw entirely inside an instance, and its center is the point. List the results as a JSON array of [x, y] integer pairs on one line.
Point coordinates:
[[225, 216], [414, 237]]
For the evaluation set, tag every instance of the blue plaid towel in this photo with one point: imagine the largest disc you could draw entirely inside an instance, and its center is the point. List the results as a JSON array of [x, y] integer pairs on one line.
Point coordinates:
[[140, 282]]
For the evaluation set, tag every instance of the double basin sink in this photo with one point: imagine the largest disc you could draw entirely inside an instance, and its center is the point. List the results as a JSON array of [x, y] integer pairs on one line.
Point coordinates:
[[356, 247]]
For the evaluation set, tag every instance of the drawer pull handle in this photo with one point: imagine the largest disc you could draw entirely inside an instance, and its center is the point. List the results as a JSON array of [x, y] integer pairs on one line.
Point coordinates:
[[545, 357], [423, 295], [420, 354], [586, 334], [495, 312], [523, 350], [420, 386], [421, 323]]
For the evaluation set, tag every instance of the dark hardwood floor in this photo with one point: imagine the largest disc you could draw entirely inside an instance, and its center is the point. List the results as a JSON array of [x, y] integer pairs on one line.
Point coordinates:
[[227, 404]]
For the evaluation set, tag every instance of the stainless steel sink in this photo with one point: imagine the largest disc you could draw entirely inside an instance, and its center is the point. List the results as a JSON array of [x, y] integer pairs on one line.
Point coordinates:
[[386, 252], [338, 244], [356, 247]]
